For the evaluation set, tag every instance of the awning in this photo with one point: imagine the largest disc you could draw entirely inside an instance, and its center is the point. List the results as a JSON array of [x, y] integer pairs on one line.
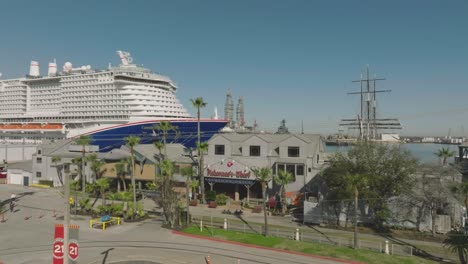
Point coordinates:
[[229, 180]]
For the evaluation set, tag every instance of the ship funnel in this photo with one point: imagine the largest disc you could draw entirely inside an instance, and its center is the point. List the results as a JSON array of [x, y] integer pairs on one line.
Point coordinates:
[[34, 69], [67, 67], [52, 69]]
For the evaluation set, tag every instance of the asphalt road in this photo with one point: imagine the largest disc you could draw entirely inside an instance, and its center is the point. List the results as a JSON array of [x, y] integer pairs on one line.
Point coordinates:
[[30, 241]]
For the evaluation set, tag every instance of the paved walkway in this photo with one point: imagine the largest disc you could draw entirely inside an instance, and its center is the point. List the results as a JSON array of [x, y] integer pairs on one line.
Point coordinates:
[[30, 241]]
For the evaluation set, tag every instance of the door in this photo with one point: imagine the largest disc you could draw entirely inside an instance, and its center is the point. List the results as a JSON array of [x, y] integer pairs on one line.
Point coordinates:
[[26, 181]]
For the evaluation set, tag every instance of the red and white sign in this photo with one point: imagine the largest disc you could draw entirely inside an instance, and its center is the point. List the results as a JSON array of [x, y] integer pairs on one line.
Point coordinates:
[[57, 248], [73, 249], [229, 164]]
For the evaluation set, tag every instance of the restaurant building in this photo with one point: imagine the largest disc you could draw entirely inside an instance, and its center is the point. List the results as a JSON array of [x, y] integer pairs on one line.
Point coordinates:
[[231, 157]]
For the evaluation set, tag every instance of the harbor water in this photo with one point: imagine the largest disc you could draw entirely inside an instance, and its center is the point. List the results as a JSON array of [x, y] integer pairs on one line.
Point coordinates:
[[425, 152]]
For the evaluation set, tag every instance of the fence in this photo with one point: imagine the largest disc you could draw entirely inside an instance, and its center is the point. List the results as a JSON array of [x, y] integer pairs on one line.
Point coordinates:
[[305, 235]]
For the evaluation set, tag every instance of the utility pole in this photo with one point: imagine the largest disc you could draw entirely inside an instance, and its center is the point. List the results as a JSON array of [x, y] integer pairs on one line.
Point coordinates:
[[66, 226]]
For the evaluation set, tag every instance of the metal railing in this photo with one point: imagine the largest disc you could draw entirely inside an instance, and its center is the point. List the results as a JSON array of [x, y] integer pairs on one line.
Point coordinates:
[[306, 236]]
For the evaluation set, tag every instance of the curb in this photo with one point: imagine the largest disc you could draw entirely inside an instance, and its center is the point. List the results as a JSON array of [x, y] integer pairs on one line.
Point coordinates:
[[266, 248]]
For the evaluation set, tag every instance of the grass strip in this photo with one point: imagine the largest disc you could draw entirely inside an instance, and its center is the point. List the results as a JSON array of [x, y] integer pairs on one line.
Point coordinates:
[[306, 247]]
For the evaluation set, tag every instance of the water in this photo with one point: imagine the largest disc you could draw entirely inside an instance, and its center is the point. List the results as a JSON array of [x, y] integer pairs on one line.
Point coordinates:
[[424, 152]]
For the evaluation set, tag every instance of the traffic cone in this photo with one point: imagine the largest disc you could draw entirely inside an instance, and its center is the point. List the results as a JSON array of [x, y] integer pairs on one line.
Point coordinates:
[[3, 221], [207, 259]]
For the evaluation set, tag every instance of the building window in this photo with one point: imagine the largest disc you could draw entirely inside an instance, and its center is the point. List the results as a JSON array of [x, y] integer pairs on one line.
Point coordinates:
[[291, 168], [293, 152], [39, 160], [219, 149], [255, 151], [38, 174], [39, 152]]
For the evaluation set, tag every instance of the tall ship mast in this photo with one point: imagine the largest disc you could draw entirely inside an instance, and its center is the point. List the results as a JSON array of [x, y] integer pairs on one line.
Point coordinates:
[[368, 122], [106, 104]]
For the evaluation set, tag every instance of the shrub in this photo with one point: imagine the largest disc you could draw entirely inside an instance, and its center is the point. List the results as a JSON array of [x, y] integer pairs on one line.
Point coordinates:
[[140, 209], [84, 204], [221, 199], [130, 210], [116, 209], [47, 182], [210, 195], [103, 209]]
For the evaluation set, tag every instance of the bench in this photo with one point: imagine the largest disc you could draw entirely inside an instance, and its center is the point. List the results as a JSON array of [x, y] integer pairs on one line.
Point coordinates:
[[104, 221]]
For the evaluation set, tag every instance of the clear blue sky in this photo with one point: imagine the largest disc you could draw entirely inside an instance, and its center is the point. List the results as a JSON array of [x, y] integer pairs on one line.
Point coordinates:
[[289, 59]]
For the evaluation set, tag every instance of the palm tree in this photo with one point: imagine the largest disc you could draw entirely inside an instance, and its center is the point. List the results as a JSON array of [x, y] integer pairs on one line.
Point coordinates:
[[202, 149], [83, 140], [444, 154], [198, 103], [96, 165], [165, 127], [282, 179], [102, 185], [159, 145], [263, 175], [457, 242], [131, 142], [121, 171], [193, 186], [56, 160], [187, 172], [355, 182]]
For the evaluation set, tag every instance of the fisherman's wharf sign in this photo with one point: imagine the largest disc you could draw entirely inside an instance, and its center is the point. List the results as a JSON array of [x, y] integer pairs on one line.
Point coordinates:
[[229, 174]]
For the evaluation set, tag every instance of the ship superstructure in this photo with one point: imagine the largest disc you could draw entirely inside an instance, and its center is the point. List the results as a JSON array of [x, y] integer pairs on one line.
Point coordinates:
[[82, 100]]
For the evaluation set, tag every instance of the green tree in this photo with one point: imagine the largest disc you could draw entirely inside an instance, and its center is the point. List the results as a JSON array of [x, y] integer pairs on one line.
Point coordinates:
[[202, 149], [188, 173], [96, 166], [444, 154], [263, 175], [165, 127], [461, 191], [457, 242], [159, 145], [389, 171], [83, 140], [121, 171], [169, 198], [198, 103], [131, 142], [59, 167], [102, 186], [282, 179]]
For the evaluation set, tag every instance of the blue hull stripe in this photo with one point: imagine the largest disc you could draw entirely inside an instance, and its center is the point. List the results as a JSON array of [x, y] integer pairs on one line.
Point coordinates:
[[186, 134]]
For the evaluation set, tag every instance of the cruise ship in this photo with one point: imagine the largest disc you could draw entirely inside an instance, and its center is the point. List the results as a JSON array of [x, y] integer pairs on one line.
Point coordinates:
[[106, 104]]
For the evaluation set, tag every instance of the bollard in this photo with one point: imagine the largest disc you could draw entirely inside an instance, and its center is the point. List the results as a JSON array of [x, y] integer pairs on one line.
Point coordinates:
[[225, 224], [201, 225], [297, 234], [54, 213], [238, 261], [387, 251], [207, 259]]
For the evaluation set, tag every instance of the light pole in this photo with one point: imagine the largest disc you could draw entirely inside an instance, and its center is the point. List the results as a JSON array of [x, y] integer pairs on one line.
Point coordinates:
[[67, 219]]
